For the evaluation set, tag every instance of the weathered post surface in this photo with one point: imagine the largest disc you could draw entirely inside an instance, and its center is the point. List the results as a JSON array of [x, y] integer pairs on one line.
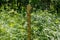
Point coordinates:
[[29, 21]]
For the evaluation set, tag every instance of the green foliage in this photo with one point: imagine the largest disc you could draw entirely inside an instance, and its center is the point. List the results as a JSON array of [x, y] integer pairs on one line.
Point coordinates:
[[44, 26], [45, 22]]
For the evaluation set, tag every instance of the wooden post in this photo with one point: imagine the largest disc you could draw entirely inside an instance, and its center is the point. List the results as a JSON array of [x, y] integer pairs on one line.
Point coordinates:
[[29, 21]]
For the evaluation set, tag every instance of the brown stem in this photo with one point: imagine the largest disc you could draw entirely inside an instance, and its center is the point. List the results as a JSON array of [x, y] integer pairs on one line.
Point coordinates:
[[29, 21]]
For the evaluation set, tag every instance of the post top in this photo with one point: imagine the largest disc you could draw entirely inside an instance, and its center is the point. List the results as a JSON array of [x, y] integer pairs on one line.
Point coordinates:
[[29, 7]]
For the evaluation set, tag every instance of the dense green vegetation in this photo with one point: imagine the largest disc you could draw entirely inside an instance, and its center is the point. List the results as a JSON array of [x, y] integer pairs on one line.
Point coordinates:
[[45, 19]]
